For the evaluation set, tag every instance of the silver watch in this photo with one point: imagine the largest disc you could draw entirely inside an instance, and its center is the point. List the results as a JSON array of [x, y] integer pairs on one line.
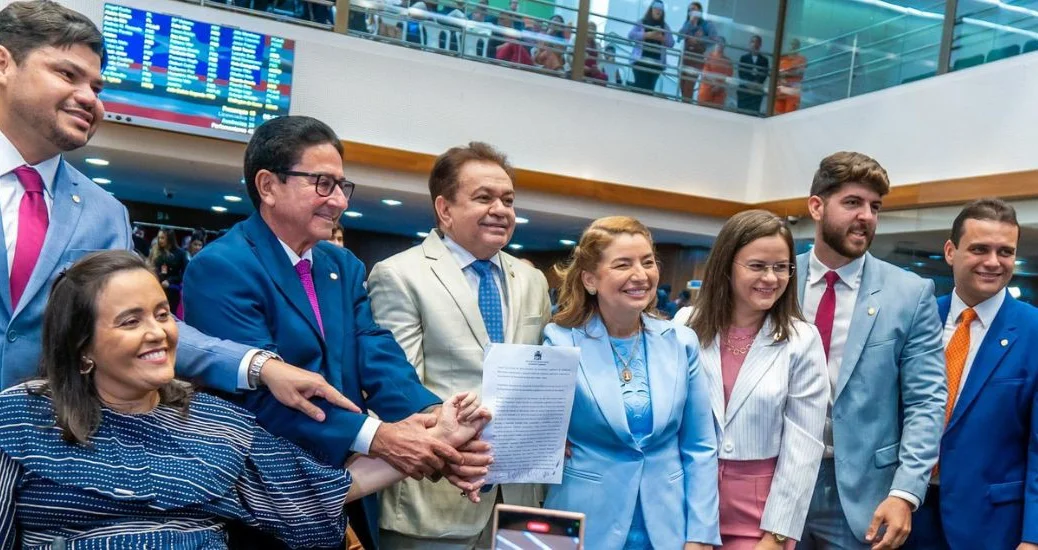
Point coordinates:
[[256, 366]]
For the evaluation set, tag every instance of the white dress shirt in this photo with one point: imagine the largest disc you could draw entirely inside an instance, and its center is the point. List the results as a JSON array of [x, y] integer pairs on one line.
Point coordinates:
[[465, 259], [11, 190], [362, 444], [986, 312]]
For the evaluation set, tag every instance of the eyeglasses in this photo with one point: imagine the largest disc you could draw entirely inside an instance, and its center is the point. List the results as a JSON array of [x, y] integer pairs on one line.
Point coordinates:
[[782, 270], [325, 184]]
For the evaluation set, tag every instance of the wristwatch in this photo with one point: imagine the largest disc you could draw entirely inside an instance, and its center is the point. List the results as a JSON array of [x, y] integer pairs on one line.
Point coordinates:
[[256, 366], [781, 539]]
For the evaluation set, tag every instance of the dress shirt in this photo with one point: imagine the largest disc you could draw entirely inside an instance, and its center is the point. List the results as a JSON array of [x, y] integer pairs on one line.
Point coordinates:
[[362, 444], [11, 190], [986, 312], [465, 259], [846, 298]]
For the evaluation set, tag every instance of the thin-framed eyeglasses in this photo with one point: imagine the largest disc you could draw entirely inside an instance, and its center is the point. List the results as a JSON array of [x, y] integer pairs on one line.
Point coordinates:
[[325, 184], [782, 270]]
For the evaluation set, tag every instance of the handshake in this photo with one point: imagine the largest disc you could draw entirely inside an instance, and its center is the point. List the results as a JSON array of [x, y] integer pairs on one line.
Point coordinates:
[[444, 441]]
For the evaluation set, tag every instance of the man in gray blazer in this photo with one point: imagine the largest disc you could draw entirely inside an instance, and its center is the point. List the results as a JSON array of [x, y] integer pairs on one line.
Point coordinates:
[[882, 338], [51, 59], [445, 300]]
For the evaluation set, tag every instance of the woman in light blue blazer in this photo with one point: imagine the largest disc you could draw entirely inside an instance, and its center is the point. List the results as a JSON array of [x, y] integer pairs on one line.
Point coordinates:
[[643, 466]]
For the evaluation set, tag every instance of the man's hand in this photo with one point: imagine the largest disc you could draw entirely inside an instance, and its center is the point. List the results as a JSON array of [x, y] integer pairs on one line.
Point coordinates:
[[1027, 546], [896, 514], [475, 459], [411, 448], [295, 387], [697, 546]]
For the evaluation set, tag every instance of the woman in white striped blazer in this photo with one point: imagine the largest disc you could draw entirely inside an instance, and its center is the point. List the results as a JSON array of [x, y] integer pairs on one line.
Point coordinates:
[[768, 382]]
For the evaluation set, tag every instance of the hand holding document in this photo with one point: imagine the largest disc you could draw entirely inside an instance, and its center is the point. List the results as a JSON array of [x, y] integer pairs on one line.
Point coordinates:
[[529, 390]]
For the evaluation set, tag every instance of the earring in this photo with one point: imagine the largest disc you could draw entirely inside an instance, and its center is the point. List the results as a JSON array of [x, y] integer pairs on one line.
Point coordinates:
[[89, 363], [592, 291]]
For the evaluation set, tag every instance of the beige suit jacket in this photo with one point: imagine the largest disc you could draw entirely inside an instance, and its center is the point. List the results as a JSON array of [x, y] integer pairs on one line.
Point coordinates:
[[422, 296]]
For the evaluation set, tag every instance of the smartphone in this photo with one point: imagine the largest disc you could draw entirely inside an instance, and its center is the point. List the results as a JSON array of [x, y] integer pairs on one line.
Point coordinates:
[[523, 528]]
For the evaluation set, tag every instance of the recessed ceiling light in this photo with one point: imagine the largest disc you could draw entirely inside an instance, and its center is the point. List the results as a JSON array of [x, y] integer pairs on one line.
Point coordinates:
[[219, 209], [97, 161], [520, 220], [422, 234], [101, 181], [919, 264], [243, 181], [1014, 291], [353, 214], [936, 257], [1021, 262], [515, 246], [391, 202], [232, 198], [567, 242]]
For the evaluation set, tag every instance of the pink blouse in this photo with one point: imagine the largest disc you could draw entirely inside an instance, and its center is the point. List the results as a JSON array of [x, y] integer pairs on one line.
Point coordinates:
[[741, 338]]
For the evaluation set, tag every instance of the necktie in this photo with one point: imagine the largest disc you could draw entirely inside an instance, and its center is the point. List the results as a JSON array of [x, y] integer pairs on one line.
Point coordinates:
[[955, 358], [32, 230], [827, 310], [306, 277], [490, 301]]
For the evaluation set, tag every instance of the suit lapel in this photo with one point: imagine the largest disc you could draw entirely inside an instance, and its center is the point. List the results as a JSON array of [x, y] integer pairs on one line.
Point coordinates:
[[599, 370], [328, 283], [803, 264], [64, 217], [998, 341], [450, 276], [5, 283], [663, 371], [759, 360], [866, 309], [267, 247], [514, 296], [710, 358]]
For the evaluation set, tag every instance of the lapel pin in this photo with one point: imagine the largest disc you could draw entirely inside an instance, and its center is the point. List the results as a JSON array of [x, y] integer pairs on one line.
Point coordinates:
[[75, 199], [334, 276], [872, 311], [1004, 342]]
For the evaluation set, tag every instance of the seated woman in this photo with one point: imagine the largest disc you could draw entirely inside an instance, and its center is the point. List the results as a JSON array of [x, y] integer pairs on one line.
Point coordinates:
[[644, 450], [109, 451]]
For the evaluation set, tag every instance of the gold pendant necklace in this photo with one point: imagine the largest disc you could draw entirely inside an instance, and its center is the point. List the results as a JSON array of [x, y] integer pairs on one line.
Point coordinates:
[[626, 375]]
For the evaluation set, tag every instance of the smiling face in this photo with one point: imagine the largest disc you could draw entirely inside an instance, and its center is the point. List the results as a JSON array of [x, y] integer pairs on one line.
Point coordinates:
[[49, 102], [135, 337], [756, 292], [984, 259], [481, 216], [625, 278], [846, 220]]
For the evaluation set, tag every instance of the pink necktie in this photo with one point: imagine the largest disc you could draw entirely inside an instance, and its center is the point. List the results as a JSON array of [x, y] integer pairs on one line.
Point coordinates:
[[32, 230], [827, 310], [306, 277]]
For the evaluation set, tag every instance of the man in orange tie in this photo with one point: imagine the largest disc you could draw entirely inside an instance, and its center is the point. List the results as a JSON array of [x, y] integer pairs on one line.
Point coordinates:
[[984, 492]]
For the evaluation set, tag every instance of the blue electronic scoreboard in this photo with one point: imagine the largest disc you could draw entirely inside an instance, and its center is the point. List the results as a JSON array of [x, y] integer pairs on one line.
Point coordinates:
[[169, 72]]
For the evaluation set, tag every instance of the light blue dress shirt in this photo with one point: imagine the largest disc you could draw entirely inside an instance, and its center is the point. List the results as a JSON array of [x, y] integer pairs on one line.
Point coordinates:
[[638, 405]]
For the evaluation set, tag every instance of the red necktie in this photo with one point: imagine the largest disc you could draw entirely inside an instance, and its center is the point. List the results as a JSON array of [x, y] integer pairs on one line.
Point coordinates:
[[827, 310], [32, 230]]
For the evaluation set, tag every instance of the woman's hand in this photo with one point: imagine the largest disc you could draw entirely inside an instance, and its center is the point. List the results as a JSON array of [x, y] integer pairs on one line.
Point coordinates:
[[768, 542], [460, 419], [697, 546]]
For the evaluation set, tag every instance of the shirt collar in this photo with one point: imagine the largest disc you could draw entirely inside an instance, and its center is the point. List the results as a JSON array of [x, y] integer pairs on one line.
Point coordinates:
[[850, 274], [10, 159], [464, 257], [986, 310], [296, 258]]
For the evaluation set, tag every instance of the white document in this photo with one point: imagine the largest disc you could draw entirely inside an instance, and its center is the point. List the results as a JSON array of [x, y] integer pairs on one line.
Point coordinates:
[[529, 390]]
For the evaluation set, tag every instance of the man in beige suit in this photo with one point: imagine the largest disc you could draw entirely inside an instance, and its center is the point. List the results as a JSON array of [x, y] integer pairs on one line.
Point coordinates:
[[445, 300]]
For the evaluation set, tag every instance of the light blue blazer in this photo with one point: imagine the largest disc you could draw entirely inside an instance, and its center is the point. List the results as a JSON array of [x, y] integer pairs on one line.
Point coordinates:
[[675, 472], [890, 390], [84, 218]]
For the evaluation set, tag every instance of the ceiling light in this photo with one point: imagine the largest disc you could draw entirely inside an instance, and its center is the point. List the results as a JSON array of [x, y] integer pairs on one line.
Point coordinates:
[[936, 257], [391, 202], [520, 220], [567, 242], [243, 181], [101, 181], [97, 162], [515, 246], [1021, 262], [919, 264], [232, 198], [219, 209], [353, 214], [1014, 291], [422, 234]]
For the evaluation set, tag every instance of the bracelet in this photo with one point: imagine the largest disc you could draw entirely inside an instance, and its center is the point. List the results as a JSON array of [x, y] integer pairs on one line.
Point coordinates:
[[256, 366]]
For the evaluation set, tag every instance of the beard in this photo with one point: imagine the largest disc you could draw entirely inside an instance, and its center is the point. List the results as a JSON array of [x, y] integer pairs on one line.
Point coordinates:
[[836, 238], [49, 128]]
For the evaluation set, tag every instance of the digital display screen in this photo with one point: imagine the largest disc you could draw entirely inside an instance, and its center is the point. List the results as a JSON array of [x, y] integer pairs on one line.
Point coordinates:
[[532, 531], [174, 73]]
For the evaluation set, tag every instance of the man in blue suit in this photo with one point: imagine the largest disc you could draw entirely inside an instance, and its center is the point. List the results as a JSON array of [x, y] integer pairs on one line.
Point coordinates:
[[984, 493], [882, 339], [274, 282], [50, 78]]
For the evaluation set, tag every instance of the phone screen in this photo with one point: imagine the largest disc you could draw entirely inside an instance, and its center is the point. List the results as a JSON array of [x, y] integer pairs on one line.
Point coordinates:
[[533, 531]]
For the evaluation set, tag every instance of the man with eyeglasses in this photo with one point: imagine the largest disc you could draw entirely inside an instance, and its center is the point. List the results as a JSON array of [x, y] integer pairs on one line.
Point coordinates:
[[882, 341], [275, 283]]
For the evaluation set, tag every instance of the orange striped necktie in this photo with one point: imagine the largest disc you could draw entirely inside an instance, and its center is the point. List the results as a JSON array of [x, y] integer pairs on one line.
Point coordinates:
[[955, 358]]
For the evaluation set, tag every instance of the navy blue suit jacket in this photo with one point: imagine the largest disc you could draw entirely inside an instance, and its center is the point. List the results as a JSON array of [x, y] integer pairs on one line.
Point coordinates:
[[243, 287], [989, 452]]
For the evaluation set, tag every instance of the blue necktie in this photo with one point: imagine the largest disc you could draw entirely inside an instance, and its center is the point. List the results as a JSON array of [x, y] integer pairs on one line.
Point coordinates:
[[490, 301]]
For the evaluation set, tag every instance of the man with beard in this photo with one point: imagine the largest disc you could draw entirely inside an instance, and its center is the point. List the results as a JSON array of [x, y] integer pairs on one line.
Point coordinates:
[[882, 339]]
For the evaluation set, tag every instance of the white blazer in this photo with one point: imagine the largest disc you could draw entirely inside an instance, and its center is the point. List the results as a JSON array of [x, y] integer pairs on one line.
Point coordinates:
[[777, 409]]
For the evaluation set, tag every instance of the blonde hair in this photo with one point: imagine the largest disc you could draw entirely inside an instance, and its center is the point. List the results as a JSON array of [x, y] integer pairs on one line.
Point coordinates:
[[576, 305]]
